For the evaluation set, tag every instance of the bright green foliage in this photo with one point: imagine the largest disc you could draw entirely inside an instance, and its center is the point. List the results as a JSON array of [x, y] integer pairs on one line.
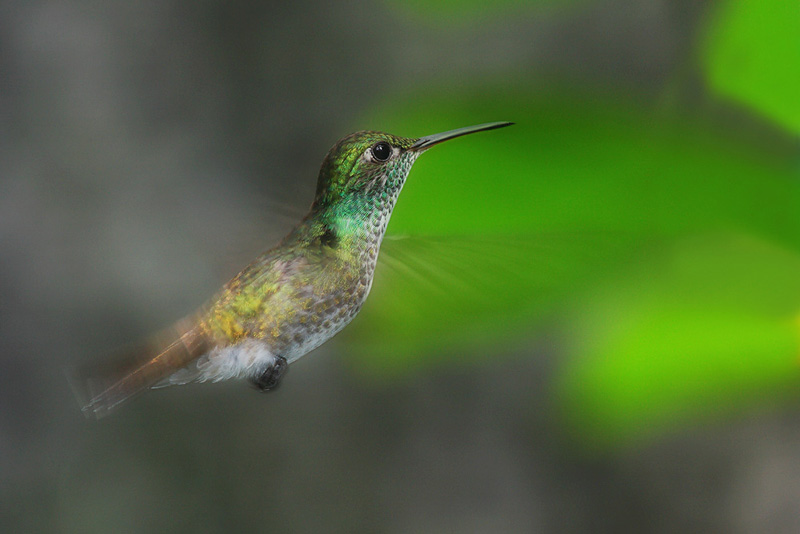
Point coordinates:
[[581, 161], [577, 188], [708, 326], [752, 55]]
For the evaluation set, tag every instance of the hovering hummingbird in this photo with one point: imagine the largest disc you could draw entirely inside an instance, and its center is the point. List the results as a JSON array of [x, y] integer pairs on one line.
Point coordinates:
[[295, 296]]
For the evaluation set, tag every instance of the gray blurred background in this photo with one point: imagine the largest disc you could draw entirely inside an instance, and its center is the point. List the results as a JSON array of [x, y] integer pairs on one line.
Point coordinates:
[[149, 149]]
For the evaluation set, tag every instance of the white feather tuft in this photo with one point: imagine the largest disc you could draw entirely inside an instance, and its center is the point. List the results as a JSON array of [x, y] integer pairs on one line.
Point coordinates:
[[246, 358]]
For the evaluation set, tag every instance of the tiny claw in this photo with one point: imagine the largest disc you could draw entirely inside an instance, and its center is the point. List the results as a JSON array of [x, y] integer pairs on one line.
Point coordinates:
[[270, 378]]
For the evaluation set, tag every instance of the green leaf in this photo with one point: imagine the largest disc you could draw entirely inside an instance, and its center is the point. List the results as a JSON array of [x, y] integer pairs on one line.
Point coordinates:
[[707, 327], [528, 217], [752, 56]]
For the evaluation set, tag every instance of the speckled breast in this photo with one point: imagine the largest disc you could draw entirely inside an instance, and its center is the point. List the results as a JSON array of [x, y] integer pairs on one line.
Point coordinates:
[[294, 300], [323, 315]]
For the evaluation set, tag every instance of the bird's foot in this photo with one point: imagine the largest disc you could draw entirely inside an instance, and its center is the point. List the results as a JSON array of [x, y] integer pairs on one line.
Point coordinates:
[[270, 378]]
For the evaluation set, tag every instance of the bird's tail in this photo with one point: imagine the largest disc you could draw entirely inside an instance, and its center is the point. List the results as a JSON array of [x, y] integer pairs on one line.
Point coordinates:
[[103, 388]]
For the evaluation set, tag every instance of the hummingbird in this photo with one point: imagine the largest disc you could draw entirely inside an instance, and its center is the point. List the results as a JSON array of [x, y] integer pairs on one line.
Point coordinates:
[[295, 296]]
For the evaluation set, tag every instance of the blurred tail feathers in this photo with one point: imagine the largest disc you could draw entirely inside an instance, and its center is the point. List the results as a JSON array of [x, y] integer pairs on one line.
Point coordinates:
[[103, 388]]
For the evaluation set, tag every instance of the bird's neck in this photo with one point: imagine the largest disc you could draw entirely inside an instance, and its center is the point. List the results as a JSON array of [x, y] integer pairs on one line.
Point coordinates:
[[356, 222]]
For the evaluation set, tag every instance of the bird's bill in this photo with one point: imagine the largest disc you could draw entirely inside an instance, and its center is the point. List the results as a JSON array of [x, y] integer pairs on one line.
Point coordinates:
[[424, 143]]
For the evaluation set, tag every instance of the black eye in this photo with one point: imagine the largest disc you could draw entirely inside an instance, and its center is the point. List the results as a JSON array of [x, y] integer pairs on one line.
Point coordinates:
[[381, 151]]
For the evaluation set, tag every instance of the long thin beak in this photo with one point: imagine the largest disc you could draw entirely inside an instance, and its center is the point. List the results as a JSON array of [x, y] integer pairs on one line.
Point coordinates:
[[424, 143]]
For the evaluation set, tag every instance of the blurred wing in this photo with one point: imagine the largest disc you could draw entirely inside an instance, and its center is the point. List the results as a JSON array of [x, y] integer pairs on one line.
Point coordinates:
[[249, 232], [435, 296]]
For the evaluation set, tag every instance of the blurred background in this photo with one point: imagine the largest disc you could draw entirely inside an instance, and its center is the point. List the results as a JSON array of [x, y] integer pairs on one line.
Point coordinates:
[[588, 322]]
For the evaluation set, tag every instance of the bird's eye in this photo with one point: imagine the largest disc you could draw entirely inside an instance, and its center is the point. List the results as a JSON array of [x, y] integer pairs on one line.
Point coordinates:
[[381, 151]]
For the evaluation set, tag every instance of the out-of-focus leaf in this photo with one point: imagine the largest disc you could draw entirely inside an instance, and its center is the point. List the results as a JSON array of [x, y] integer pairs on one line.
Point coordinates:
[[705, 328], [602, 175], [456, 11], [580, 162], [752, 55]]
